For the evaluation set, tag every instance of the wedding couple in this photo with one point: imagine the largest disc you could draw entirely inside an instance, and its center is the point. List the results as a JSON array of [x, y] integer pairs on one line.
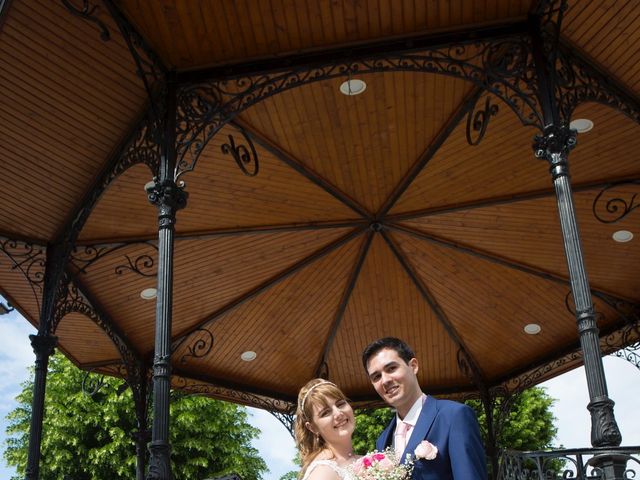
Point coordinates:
[[441, 437]]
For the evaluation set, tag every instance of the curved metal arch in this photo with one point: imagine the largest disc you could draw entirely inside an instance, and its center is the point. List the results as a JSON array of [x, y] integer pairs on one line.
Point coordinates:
[[501, 67], [84, 256]]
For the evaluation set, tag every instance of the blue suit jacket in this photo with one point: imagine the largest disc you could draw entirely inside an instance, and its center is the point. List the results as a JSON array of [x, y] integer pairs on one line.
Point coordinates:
[[453, 428]]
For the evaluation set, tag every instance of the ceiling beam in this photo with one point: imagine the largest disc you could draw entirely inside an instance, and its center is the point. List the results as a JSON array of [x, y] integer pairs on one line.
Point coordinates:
[[476, 372], [352, 52], [302, 169], [444, 133], [506, 199], [496, 259], [318, 254]]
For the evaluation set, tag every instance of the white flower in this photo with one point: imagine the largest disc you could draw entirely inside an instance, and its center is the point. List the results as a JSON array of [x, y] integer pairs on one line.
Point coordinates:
[[426, 450]]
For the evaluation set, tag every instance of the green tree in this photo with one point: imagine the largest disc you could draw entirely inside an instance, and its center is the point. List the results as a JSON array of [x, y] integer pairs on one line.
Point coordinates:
[[529, 425], [88, 437], [369, 425]]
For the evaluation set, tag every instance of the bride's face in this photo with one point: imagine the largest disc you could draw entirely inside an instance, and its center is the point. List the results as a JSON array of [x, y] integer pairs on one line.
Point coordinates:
[[333, 421]]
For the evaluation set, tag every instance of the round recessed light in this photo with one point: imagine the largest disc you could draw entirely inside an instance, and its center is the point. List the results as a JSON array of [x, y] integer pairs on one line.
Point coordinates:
[[353, 87], [581, 125], [248, 356], [149, 293], [622, 236], [532, 328]]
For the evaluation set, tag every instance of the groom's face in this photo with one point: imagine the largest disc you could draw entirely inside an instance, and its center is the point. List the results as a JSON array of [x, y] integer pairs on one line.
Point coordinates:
[[394, 379]]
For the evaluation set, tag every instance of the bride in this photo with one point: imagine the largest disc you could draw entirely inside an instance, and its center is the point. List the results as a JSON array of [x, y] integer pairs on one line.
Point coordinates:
[[323, 429]]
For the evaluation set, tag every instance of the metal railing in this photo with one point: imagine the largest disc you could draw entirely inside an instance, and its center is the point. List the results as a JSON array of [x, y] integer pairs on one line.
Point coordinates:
[[618, 463]]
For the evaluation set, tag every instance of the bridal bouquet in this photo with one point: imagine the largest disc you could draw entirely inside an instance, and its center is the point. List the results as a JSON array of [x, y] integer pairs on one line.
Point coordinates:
[[381, 466]]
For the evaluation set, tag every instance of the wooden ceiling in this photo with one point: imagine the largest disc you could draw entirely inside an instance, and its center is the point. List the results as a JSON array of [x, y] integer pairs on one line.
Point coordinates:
[[291, 263]]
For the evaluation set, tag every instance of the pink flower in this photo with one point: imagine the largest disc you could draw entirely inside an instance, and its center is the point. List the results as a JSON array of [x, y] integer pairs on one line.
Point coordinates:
[[378, 456], [385, 464], [426, 450]]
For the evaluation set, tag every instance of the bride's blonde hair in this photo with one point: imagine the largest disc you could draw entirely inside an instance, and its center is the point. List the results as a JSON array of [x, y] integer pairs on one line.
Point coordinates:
[[315, 392]]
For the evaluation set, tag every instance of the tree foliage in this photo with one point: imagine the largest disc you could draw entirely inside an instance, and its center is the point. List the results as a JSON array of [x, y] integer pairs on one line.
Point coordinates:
[[530, 424], [88, 437]]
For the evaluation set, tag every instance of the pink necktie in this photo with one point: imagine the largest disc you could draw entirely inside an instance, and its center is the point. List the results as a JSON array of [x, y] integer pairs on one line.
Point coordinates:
[[401, 438]]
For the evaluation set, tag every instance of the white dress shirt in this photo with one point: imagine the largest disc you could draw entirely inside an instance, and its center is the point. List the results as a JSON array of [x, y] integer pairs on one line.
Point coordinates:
[[411, 417]]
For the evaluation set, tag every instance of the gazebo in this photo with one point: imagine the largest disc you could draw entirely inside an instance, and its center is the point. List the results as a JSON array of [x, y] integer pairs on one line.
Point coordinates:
[[232, 197]]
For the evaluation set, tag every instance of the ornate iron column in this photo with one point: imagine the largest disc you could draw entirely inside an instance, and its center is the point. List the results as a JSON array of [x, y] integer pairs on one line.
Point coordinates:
[[43, 347], [554, 145], [169, 197]]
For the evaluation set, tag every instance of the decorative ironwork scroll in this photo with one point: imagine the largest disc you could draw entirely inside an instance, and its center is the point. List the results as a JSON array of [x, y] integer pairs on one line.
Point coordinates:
[[615, 208], [92, 383], [89, 13], [288, 420], [29, 259], [201, 346], [246, 158], [82, 257], [578, 464], [502, 67], [478, 121]]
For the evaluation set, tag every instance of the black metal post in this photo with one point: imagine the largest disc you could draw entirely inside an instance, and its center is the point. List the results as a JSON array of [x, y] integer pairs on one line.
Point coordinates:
[[43, 347], [169, 198], [554, 146]]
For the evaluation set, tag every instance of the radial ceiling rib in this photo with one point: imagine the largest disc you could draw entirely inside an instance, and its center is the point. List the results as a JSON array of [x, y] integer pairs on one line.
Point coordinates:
[[320, 253], [476, 373], [303, 170], [519, 197], [343, 302], [490, 257], [228, 232], [446, 130], [348, 53]]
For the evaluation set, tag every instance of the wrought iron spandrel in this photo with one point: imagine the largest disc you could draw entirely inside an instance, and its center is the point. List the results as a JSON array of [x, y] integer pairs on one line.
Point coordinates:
[[197, 345], [617, 463], [503, 67], [27, 258]]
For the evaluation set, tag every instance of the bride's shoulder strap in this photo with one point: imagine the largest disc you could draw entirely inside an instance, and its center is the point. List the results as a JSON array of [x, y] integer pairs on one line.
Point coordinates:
[[336, 471]]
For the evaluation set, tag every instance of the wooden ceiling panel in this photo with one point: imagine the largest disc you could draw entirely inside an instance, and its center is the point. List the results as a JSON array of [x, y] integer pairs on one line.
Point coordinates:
[[68, 99], [501, 165], [222, 197], [230, 30], [287, 323], [360, 144], [608, 32], [84, 341], [529, 233], [124, 210], [468, 288], [386, 303]]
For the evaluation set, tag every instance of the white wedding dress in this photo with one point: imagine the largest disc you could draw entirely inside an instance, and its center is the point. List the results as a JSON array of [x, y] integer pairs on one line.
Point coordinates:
[[343, 473]]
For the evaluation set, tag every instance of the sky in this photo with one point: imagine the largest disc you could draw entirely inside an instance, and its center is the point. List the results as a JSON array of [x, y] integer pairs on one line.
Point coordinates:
[[275, 443]]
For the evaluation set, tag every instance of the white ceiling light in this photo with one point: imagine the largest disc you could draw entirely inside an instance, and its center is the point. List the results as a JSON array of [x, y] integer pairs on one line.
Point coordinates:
[[248, 356], [532, 328], [149, 293], [622, 236], [353, 86], [581, 125]]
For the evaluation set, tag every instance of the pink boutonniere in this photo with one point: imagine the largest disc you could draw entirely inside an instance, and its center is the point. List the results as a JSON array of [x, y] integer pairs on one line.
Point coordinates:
[[426, 450]]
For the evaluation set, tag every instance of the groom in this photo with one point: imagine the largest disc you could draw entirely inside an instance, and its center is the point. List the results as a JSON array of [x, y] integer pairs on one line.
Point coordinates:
[[451, 427]]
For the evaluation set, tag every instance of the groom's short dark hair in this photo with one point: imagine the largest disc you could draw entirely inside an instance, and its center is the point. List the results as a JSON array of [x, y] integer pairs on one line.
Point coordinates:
[[403, 350]]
